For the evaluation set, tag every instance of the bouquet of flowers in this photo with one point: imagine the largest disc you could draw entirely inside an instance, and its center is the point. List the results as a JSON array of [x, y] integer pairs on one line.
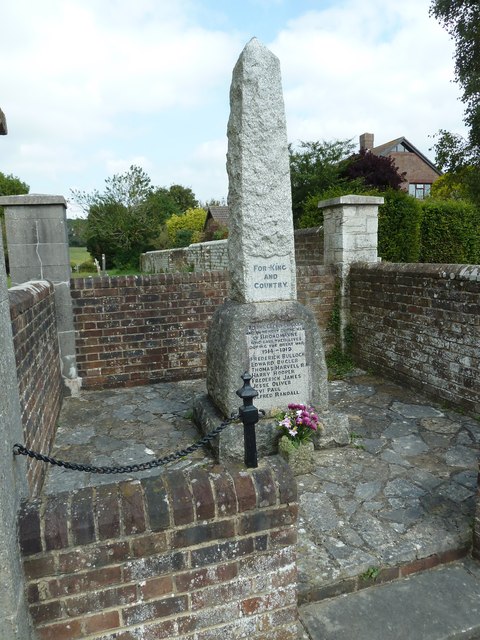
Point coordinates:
[[298, 423]]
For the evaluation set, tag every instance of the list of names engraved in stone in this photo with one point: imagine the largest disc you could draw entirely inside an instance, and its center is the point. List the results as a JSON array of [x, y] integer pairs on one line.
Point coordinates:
[[277, 362]]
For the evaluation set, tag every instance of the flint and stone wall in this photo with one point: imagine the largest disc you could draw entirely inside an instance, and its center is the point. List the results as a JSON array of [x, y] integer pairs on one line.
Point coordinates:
[[134, 330], [213, 256], [32, 311], [188, 554], [419, 324], [201, 256]]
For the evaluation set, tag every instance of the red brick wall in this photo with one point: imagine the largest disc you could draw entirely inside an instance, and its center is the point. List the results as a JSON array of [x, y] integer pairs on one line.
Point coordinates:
[[32, 310], [188, 554], [419, 324], [135, 330], [309, 246]]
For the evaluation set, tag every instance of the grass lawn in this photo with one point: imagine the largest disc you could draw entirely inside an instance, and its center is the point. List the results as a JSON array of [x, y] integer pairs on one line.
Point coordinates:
[[80, 254]]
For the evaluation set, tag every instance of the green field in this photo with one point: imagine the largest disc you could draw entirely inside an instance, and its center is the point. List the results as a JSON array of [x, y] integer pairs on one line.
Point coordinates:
[[79, 255]]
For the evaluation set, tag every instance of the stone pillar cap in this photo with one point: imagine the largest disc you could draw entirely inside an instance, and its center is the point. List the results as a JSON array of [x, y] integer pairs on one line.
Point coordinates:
[[31, 198], [350, 200]]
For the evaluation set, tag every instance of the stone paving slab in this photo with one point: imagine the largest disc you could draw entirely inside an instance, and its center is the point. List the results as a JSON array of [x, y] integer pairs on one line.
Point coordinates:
[[118, 427], [442, 604], [402, 492], [400, 497]]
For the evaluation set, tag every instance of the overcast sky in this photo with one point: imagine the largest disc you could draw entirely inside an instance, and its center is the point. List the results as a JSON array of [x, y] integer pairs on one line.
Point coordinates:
[[90, 87]]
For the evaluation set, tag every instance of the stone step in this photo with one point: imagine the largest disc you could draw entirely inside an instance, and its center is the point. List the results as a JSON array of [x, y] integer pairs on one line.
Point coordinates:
[[369, 576], [439, 604]]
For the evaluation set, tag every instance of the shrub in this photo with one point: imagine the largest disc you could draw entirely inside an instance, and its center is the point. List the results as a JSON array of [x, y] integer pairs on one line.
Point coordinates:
[[182, 227], [399, 226], [450, 232]]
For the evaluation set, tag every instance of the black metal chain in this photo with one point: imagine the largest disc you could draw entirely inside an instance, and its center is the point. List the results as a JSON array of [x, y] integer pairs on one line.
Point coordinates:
[[19, 449]]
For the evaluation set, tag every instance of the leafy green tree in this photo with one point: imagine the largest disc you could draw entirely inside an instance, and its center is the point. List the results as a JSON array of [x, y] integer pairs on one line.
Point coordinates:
[[461, 20], [183, 197], [316, 167], [128, 189], [10, 185], [186, 227], [453, 185], [127, 218], [77, 228]]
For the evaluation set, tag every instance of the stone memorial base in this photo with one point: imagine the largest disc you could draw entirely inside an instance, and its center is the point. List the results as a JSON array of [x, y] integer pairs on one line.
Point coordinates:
[[228, 446], [278, 343]]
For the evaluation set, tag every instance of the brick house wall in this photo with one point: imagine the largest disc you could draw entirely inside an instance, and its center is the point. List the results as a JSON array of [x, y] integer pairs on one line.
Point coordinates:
[[134, 330], [32, 311], [204, 554], [416, 169], [420, 325]]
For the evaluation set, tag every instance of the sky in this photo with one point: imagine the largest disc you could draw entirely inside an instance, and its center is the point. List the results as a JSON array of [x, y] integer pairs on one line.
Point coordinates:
[[90, 87]]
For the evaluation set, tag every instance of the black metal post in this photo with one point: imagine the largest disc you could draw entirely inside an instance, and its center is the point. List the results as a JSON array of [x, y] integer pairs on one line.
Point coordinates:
[[249, 417]]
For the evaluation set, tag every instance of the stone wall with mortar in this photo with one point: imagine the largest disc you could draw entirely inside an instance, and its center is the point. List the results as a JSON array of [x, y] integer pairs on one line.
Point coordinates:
[[212, 256], [203, 553], [134, 330], [419, 324], [201, 256], [34, 329]]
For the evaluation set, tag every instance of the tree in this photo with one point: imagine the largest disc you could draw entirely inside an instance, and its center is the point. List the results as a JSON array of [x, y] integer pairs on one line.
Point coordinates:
[[453, 185], [183, 197], [128, 217], [314, 168], [457, 157], [77, 228], [128, 189], [186, 227], [461, 20], [376, 172], [10, 185]]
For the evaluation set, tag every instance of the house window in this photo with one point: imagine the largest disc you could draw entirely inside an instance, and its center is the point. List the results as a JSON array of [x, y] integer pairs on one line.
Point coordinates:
[[419, 190]]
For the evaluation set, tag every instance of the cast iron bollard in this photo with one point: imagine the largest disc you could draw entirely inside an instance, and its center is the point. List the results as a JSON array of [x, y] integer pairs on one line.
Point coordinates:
[[249, 416]]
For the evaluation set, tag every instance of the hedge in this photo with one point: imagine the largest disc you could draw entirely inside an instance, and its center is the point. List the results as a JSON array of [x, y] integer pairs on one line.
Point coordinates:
[[450, 232], [399, 225]]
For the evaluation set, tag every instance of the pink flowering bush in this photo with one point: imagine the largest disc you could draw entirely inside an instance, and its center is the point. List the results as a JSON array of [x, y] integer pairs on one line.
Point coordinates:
[[298, 423]]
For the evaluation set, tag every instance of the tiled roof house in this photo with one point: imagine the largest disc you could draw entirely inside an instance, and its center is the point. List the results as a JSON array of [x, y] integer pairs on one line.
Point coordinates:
[[216, 216], [420, 172]]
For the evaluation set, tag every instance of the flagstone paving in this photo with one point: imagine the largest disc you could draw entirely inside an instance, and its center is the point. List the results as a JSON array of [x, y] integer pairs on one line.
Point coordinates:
[[399, 497]]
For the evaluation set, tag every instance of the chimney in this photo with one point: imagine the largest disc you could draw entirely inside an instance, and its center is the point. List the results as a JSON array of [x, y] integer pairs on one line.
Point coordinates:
[[366, 141]]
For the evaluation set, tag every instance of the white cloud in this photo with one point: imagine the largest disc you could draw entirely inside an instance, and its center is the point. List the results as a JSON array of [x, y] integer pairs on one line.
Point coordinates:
[[92, 86], [380, 66]]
